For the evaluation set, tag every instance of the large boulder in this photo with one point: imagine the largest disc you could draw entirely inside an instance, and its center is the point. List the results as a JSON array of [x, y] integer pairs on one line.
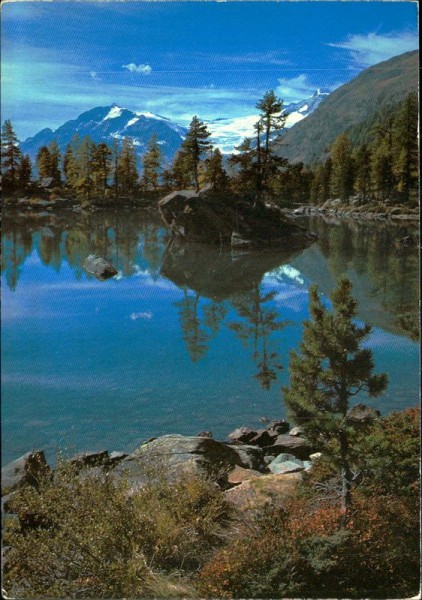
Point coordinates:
[[206, 217], [171, 455], [291, 444], [250, 457], [25, 470], [264, 490], [287, 463]]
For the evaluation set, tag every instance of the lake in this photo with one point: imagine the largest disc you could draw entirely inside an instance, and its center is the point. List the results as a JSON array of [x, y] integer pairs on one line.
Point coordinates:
[[183, 339]]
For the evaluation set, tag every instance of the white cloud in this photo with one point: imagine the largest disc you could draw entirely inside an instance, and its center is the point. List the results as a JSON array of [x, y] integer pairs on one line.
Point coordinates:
[[294, 89], [143, 69], [145, 316], [367, 50]]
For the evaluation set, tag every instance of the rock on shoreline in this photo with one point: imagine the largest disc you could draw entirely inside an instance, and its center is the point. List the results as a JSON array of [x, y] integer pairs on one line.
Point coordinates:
[[263, 453]]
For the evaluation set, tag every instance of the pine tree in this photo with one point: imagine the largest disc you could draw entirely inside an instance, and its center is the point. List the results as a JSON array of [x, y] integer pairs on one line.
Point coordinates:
[[330, 369], [272, 119], [55, 160], [44, 162], [10, 155], [342, 168], [83, 182], [405, 161], [151, 162], [69, 165], [127, 172], [195, 145], [362, 162], [24, 171], [101, 167], [247, 179], [182, 170], [214, 171]]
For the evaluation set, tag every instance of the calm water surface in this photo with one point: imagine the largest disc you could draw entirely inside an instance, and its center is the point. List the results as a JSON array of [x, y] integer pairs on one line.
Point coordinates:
[[184, 338]]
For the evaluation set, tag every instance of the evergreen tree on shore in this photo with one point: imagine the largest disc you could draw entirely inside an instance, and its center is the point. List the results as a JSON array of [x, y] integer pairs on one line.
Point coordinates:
[[194, 146], [10, 156], [331, 368]]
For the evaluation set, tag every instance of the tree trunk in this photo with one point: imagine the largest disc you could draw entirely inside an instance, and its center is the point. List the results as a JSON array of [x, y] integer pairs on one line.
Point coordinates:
[[346, 475]]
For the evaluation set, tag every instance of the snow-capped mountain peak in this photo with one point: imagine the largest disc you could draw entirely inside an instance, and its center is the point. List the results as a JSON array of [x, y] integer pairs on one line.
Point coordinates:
[[227, 133]]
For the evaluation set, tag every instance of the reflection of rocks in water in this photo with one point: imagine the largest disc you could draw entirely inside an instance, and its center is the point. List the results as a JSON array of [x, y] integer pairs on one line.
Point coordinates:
[[219, 273]]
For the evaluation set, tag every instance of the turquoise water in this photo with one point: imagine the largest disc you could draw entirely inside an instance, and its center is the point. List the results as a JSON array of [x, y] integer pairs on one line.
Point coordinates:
[[182, 339]]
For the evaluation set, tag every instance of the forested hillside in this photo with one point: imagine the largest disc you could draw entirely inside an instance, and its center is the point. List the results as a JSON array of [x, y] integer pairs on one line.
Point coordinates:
[[352, 104]]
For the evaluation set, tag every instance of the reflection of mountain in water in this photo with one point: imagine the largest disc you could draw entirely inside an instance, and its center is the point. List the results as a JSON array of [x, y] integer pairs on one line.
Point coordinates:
[[219, 273]]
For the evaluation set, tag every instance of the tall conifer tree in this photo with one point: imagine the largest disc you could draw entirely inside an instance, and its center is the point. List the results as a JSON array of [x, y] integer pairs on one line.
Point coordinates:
[[331, 368]]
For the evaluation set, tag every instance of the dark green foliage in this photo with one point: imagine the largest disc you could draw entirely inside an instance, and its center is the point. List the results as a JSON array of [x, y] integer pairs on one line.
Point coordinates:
[[10, 156], [151, 162], [84, 535], [24, 171], [214, 171], [331, 368], [389, 454], [384, 168], [126, 173], [193, 148]]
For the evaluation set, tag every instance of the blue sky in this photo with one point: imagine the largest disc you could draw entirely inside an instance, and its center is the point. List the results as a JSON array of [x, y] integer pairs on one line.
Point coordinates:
[[213, 59]]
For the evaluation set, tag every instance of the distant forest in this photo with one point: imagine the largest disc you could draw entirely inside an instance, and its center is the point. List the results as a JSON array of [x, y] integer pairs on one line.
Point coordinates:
[[383, 169]]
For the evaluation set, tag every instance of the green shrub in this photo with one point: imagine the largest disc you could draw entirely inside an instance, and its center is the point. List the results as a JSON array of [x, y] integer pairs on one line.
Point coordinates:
[[84, 535]]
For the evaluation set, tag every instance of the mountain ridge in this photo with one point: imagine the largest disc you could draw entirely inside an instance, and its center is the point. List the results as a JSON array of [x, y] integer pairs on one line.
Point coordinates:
[[383, 84]]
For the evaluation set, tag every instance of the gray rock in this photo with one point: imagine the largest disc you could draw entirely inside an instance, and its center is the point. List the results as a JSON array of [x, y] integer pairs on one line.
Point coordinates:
[[268, 458], [296, 431], [263, 438], [99, 267], [25, 470], [171, 455], [251, 457], [295, 445], [360, 413], [280, 426], [90, 459], [207, 434], [116, 457], [286, 463], [242, 434]]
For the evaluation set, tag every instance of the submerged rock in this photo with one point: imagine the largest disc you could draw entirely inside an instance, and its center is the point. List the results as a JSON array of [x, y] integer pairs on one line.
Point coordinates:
[[206, 217], [99, 267]]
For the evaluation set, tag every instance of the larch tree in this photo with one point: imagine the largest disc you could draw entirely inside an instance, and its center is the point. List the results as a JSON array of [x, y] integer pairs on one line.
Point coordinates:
[[330, 369]]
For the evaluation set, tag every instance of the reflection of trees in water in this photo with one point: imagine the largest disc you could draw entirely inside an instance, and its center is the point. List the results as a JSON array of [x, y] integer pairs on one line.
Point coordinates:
[[259, 321], [125, 239], [200, 323], [16, 247], [376, 254], [195, 337]]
